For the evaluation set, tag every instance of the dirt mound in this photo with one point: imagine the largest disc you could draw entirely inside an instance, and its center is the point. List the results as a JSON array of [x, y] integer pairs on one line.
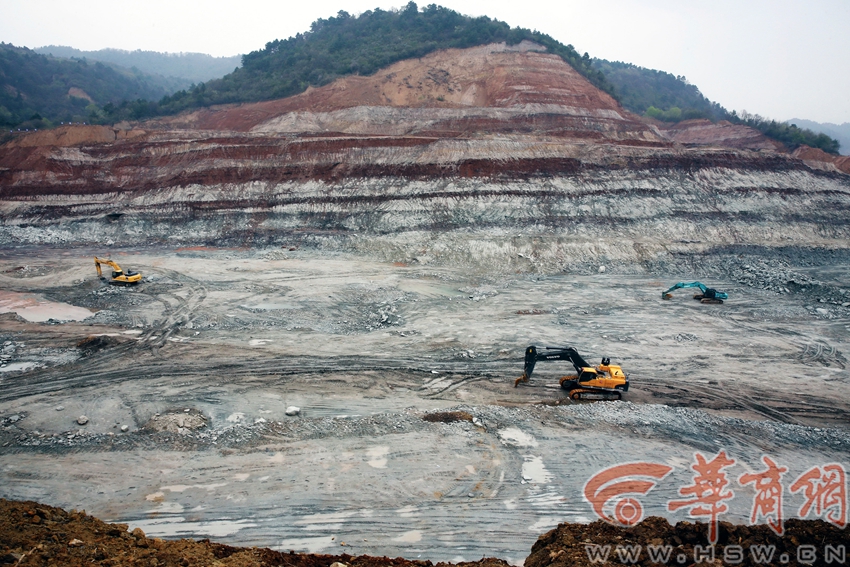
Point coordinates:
[[74, 135], [177, 421], [66, 136], [95, 343], [448, 416], [574, 545], [722, 134], [819, 158], [34, 534]]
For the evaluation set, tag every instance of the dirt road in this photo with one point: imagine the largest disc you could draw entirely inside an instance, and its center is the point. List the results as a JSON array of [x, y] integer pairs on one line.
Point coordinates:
[[187, 379]]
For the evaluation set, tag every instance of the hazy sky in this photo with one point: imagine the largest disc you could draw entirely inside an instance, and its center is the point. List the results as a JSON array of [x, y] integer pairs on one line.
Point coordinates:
[[779, 58]]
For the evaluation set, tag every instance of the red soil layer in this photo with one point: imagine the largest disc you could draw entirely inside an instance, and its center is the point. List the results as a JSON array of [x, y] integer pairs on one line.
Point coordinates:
[[149, 164], [805, 153]]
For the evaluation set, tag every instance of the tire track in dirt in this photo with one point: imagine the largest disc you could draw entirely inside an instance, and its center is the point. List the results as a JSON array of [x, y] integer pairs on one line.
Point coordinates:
[[112, 368], [174, 317], [806, 410]]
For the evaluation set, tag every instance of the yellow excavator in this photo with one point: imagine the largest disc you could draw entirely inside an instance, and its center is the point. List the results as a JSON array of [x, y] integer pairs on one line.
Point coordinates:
[[119, 277], [603, 382]]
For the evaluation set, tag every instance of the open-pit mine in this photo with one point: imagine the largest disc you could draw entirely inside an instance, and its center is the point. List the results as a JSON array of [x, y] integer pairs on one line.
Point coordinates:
[[338, 289]]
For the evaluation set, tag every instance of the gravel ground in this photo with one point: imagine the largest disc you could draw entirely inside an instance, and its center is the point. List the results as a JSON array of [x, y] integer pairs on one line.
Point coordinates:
[[294, 399]]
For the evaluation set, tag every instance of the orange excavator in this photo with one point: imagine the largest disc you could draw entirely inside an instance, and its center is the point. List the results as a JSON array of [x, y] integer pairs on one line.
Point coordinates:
[[603, 382], [119, 277]]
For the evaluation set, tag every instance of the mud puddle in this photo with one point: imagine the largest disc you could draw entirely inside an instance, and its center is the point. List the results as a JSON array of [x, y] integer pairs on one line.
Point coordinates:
[[36, 309]]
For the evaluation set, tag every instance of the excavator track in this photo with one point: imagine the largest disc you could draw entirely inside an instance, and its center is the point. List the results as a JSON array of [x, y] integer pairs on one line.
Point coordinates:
[[596, 395], [578, 393], [703, 299]]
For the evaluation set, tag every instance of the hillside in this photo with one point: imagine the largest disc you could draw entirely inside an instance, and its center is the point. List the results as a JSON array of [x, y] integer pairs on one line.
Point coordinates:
[[667, 98], [511, 113], [39, 91], [658, 94], [448, 93], [189, 67], [839, 132]]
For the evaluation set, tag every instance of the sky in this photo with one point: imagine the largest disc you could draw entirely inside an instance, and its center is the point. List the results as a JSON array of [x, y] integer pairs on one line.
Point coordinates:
[[781, 59]]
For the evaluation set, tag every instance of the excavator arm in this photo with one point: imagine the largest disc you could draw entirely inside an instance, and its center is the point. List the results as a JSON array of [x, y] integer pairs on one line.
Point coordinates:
[[532, 355]]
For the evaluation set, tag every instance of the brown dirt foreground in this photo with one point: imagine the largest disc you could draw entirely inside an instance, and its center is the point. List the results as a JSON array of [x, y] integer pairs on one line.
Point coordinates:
[[35, 534], [814, 541]]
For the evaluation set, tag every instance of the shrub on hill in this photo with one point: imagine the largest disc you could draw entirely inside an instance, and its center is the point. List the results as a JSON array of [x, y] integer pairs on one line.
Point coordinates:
[[658, 94]]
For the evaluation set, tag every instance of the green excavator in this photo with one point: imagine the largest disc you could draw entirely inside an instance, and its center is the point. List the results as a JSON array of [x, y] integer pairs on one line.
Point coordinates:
[[706, 295]]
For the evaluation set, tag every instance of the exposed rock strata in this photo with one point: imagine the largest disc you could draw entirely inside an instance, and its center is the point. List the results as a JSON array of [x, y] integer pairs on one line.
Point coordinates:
[[722, 134], [411, 166]]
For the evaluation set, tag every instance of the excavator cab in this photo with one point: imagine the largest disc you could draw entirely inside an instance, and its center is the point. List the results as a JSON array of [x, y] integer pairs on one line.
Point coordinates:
[[604, 382]]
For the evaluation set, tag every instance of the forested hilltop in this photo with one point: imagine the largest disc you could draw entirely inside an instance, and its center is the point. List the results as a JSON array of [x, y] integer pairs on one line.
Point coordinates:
[[189, 68], [345, 45]]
